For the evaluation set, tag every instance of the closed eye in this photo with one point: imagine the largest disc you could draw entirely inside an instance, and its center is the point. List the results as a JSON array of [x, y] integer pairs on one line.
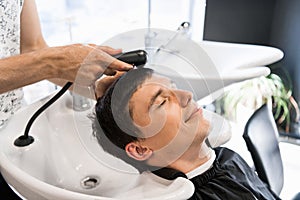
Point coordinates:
[[162, 103]]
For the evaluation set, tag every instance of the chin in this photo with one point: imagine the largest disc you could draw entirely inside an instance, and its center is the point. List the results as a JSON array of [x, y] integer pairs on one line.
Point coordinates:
[[204, 128]]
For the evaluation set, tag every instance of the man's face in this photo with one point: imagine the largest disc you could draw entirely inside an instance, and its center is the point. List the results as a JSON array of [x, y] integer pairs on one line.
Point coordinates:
[[170, 120]]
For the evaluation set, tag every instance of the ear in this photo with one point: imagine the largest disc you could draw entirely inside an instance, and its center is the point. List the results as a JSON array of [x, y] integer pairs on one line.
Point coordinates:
[[138, 152]]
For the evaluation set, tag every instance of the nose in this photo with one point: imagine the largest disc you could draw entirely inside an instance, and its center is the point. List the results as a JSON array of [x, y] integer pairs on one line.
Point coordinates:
[[183, 97]]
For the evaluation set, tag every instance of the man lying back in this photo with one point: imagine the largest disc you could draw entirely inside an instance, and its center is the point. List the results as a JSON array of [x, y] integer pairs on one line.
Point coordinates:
[[146, 121]]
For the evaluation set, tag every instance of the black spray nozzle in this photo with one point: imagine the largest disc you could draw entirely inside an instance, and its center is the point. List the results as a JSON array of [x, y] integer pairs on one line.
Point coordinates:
[[137, 58]]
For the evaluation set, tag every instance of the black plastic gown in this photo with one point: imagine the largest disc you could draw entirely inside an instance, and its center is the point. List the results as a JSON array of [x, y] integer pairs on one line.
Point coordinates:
[[230, 178]]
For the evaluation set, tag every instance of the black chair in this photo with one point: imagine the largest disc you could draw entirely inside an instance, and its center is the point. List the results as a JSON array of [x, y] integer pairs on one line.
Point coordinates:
[[261, 137]]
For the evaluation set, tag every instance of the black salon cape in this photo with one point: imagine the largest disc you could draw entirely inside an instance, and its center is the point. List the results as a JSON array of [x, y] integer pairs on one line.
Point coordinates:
[[230, 178]]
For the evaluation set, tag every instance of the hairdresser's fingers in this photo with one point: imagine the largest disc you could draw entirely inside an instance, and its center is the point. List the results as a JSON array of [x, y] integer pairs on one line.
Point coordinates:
[[110, 50], [101, 85], [120, 65], [97, 63], [110, 72], [105, 53]]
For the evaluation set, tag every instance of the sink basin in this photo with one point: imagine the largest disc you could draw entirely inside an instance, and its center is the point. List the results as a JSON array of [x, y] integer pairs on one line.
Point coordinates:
[[231, 56], [66, 162], [58, 166]]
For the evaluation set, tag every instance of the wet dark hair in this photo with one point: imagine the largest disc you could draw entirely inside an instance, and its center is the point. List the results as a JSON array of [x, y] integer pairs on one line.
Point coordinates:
[[113, 126]]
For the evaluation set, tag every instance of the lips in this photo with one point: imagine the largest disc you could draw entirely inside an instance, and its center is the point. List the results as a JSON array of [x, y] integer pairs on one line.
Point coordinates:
[[194, 112]]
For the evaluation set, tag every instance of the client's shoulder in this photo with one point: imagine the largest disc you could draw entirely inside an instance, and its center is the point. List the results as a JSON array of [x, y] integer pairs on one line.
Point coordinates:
[[225, 155]]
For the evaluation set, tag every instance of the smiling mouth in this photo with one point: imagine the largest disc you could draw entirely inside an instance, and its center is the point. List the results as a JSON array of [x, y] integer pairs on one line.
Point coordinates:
[[197, 110]]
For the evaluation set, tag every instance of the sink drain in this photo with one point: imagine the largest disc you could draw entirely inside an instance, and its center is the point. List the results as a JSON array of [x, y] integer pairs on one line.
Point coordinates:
[[90, 182]]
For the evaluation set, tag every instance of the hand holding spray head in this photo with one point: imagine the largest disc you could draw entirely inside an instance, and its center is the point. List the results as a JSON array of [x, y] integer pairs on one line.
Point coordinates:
[[137, 58]]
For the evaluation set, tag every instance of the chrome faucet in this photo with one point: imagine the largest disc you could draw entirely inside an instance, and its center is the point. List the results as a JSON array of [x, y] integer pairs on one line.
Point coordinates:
[[80, 103]]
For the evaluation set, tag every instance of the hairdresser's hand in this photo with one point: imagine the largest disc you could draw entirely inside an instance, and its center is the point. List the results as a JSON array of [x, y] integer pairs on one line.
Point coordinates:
[[101, 85], [84, 64]]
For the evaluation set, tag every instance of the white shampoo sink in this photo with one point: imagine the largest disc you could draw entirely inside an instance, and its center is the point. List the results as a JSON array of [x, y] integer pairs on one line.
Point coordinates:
[[58, 166]]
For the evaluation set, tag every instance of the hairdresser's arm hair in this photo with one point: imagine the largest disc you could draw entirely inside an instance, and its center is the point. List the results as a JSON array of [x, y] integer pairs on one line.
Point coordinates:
[[35, 63]]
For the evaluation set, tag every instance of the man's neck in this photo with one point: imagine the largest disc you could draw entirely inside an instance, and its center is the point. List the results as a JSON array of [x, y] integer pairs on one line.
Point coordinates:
[[192, 159]]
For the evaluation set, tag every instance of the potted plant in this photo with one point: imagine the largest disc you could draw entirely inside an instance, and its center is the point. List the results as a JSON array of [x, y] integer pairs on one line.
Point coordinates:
[[251, 94]]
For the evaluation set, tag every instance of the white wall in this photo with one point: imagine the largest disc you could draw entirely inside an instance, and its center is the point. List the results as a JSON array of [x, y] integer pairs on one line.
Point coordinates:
[[69, 21]]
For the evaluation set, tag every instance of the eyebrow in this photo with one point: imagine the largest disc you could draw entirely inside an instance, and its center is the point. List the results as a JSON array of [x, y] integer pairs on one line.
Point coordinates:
[[153, 98]]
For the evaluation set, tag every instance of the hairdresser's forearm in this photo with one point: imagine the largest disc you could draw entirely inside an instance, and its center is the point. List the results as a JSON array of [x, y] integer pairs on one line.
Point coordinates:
[[25, 69]]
